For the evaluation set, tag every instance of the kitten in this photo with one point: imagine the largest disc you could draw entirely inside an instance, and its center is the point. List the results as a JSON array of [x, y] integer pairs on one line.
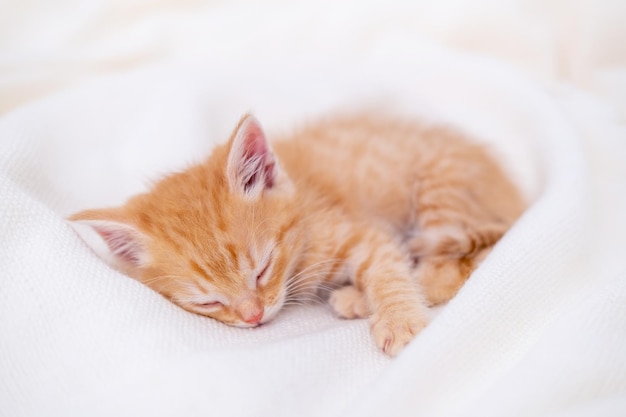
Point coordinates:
[[351, 202]]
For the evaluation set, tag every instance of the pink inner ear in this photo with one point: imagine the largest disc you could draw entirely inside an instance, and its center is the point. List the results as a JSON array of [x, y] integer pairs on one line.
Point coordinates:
[[254, 141], [123, 242], [257, 155]]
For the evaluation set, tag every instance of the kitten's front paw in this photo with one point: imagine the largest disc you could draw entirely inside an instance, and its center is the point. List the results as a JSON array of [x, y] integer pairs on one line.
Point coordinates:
[[393, 330], [349, 302]]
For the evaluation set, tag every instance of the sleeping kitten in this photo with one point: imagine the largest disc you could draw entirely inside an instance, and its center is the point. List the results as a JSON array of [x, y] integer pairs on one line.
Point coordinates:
[[352, 202]]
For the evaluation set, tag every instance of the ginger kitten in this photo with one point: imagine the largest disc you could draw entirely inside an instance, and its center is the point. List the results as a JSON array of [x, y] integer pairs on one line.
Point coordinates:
[[352, 202]]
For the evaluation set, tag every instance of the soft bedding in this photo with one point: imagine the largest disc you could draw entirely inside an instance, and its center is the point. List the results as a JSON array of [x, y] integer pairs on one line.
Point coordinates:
[[99, 97]]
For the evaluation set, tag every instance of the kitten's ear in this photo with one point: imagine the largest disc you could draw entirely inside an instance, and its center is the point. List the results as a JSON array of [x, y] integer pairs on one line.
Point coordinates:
[[127, 244], [252, 166]]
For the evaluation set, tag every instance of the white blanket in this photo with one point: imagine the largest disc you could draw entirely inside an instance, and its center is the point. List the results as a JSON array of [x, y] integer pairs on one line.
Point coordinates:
[[99, 97]]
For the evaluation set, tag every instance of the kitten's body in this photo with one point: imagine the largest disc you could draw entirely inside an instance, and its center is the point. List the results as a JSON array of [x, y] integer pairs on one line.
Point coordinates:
[[346, 201]]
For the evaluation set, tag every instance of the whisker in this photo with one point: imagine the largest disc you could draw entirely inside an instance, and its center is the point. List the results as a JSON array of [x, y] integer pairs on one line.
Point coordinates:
[[309, 298], [317, 264], [304, 276], [309, 289], [306, 297], [309, 278], [310, 281], [303, 302]]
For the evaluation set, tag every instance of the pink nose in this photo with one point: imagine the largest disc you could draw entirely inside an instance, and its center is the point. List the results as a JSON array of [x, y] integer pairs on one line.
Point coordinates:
[[254, 319]]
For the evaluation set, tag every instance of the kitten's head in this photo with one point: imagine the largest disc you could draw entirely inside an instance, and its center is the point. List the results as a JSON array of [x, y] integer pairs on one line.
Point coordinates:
[[219, 239]]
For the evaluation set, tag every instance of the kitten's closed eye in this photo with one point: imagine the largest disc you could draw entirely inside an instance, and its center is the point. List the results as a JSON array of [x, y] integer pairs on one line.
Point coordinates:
[[264, 271], [210, 304], [261, 274]]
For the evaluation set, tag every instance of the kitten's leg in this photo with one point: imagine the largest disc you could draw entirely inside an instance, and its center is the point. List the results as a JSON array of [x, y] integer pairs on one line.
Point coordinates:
[[455, 232], [382, 272], [349, 302], [462, 203], [448, 236], [442, 277]]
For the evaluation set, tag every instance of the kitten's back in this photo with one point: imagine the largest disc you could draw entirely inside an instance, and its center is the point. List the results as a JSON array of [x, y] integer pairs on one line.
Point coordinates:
[[387, 169]]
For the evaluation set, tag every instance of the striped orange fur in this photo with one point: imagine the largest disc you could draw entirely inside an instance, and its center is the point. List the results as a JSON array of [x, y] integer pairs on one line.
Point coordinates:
[[346, 202]]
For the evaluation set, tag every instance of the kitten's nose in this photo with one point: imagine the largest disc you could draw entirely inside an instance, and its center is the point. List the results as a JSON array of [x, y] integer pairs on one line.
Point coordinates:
[[250, 309], [254, 318]]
